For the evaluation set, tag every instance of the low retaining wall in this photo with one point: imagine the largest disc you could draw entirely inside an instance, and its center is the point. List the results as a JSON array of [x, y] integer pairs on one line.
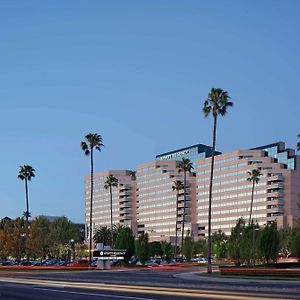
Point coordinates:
[[260, 272]]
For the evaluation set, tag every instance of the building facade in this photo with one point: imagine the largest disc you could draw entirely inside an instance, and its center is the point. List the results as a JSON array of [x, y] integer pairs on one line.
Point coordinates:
[[147, 203], [156, 201], [123, 200]]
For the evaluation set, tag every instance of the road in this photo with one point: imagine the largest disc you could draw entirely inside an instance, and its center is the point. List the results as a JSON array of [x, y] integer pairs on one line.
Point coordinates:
[[139, 285]]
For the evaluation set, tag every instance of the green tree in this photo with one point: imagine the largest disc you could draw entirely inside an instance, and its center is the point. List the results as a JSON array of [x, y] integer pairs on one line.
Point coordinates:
[[188, 246], [234, 241], [39, 237], [93, 141], [184, 166], [17, 240], [219, 242], [200, 248], [26, 172], [110, 182], [178, 186], [142, 247], [295, 243], [254, 177], [125, 240], [6, 246], [167, 250], [248, 243], [102, 235], [285, 238], [216, 104], [269, 243], [155, 249], [61, 231]]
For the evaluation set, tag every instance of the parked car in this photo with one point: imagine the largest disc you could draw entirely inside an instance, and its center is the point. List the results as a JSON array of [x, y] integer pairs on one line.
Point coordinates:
[[80, 263]]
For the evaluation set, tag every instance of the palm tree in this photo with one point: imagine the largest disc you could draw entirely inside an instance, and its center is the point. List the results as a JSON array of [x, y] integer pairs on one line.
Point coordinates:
[[217, 103], [93, 141], [185, 166], [178, 186], [254, 177], [110, 182], [298, 144], [102, 235], [26, 173]]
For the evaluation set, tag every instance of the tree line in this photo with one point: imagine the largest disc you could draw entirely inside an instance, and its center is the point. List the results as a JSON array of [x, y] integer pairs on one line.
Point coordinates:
[[38, 239]]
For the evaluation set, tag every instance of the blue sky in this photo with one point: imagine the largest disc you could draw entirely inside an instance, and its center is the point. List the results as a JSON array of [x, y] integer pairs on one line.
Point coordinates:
[[136, 72]]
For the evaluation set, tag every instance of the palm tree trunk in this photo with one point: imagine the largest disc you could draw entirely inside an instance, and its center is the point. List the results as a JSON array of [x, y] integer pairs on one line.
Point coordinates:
[[111, 219], [183, 218], [251, 205], [91, 207], [176, 221], [209, 266], [26, 218]]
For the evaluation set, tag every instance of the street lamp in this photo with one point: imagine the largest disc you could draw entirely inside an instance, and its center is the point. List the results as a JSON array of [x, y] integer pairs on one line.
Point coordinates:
[[253, 243], [72, 244]]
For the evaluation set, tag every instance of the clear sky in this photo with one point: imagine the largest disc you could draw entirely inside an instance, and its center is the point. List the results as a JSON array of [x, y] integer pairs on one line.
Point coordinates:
[[136, 72]]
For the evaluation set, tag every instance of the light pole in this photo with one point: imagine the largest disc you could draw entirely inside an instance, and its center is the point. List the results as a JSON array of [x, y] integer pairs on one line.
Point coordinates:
[[253, 243], [72, 244]]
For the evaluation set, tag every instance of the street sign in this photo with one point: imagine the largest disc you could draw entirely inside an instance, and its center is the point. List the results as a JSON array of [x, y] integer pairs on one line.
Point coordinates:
[[109, 254]]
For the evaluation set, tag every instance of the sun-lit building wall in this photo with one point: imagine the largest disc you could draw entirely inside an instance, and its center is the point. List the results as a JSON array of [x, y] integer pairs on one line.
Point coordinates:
[[123, 200], [274, 196], [156, 200]]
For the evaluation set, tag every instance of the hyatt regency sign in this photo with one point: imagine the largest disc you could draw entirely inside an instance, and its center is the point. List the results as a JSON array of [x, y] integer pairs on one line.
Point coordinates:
[[173, 155], [109, 254]]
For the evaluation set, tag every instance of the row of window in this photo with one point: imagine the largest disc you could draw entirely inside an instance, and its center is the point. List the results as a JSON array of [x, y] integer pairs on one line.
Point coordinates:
[[224, 197], [156, 205], [229, 189], [154, 193], [217, 162], [155, 186], [161, 224], [156, 218], [236, 180], [235, 166], [225, 219], [153, 180], [229, 174], [156, 199], [161, 211], [230, 211], [150, 174], [145, 169], [234, 203]]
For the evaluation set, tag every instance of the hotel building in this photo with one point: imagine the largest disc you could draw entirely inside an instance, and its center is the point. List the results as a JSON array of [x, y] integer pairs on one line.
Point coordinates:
[[123, 200], [147, 203]]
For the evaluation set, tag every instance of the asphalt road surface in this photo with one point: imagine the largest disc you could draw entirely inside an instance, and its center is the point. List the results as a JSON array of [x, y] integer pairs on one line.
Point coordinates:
[[139, 285]]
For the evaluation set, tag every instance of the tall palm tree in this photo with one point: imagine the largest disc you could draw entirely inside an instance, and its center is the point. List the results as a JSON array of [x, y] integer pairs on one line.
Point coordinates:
[[254, 177], [185, 165], [111, 181], [26, 173], [92, 141], [298, 144], [216, 104], [178, 186]]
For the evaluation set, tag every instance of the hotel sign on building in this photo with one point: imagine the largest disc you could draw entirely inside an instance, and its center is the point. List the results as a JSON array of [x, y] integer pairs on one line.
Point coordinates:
[[174, 155]]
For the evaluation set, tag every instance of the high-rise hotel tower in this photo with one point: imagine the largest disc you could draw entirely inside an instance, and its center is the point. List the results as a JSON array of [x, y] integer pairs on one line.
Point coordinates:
[[146, 201]]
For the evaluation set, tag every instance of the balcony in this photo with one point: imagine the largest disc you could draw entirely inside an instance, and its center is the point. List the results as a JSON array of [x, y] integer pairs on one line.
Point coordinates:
[[126, 204], [181, 204], [275, 185]]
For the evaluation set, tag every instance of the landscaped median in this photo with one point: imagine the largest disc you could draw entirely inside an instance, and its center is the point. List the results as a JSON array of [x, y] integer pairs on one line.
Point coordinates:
[[43, 268], [260, 271]]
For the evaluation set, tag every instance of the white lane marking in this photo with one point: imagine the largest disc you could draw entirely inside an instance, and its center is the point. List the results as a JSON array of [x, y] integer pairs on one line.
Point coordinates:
[[93, 294]]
